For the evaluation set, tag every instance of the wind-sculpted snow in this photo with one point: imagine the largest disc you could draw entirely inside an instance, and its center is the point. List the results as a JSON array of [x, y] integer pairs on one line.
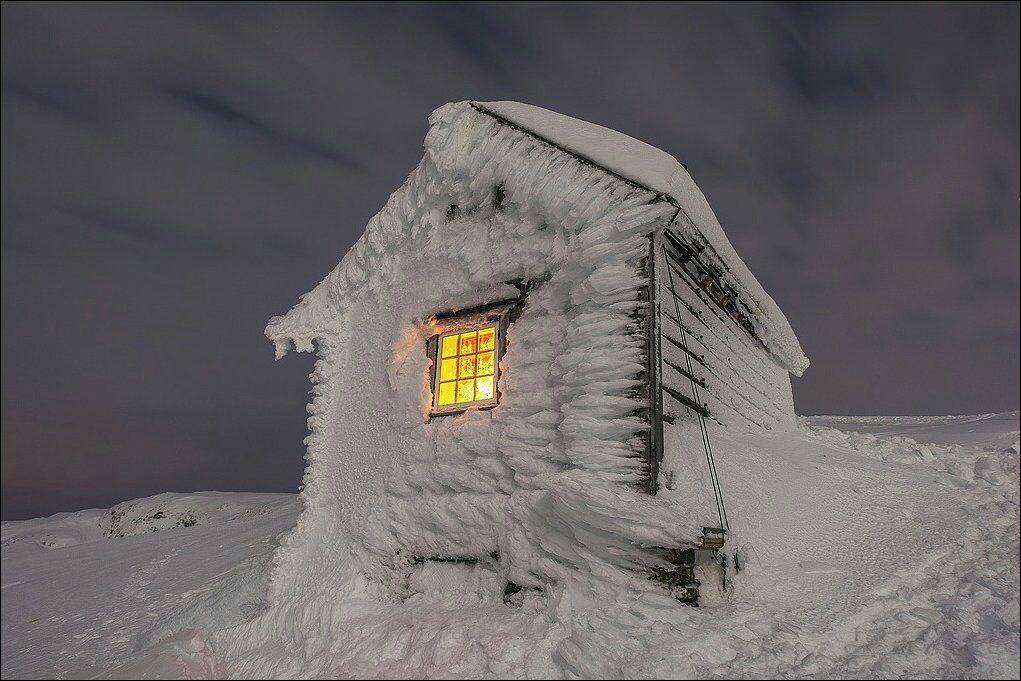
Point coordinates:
[[549, 481], [860, 559], [411, 525]]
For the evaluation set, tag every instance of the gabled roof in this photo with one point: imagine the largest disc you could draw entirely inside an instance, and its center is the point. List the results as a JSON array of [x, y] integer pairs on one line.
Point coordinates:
[[630, 159], [650, 168], [625, 158]]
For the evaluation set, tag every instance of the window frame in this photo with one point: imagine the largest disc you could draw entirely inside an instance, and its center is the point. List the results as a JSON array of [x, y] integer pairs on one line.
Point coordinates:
[[456, 323]]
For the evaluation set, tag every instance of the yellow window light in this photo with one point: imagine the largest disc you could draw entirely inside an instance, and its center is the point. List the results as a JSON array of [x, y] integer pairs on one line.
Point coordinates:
[[484, 388], [487, 339], [467, 367], [486, 363], [466, 391], [467, 343], [448, 369], [450, 345], [446, 394]]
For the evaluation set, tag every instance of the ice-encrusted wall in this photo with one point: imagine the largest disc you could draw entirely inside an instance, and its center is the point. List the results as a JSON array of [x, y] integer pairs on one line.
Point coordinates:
[[546, 488], [549, 479]]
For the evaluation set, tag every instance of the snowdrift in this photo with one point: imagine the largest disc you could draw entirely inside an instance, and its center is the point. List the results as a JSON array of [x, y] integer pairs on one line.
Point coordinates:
[[873, 547]]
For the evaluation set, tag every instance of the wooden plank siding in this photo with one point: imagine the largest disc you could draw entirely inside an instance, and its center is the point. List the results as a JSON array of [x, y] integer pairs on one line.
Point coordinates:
[[740, 374], [738, 382]]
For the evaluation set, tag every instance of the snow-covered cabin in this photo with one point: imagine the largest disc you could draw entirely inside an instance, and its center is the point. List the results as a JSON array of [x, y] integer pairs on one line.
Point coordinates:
[[522, 362]]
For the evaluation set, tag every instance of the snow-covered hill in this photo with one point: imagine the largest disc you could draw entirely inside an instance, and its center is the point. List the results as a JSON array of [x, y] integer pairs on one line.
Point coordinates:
[[873, 546], [135, 587]]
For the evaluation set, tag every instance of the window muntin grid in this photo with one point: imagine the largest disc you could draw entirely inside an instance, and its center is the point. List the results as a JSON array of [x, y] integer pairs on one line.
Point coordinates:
[[467, 364]]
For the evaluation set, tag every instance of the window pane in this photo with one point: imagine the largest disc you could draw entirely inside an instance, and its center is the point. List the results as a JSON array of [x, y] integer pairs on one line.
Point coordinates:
[[446, 393], [468, 343], [485, 364], [487, 339], [448, 369], [466, 366], [485, 388], [449, 346], [466, 391]]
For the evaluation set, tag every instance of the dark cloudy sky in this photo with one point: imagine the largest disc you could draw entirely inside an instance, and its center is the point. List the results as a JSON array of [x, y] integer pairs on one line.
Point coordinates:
[[173, 175]]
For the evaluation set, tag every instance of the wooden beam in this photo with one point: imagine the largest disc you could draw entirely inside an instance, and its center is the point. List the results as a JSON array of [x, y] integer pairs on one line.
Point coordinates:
[[684, 372], [654, 353], [687, 401], [680, 346]]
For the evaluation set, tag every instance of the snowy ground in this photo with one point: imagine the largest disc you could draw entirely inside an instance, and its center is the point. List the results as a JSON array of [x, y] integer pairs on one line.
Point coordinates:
[[874, 547], [86, 593]]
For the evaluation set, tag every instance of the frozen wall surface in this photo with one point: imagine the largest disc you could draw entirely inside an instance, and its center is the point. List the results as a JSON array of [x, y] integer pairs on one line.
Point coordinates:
[[539, 499]]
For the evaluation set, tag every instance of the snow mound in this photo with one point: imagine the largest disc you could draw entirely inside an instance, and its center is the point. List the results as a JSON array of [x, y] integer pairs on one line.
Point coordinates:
[[131, 595], [55, 532], [148, 515], [857, 562], [171, 511]]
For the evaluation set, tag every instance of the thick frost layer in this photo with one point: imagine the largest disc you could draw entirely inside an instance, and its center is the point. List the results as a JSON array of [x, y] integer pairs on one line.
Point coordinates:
[[545, 488], [543, 491], [659, 171]]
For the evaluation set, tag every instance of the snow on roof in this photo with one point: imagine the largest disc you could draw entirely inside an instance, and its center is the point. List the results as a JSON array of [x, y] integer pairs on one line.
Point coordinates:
[[632, 159], [654, 169], [625, 158]]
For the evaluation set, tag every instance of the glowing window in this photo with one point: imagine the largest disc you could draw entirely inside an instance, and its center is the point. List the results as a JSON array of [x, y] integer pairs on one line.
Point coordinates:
[[467, 364]]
